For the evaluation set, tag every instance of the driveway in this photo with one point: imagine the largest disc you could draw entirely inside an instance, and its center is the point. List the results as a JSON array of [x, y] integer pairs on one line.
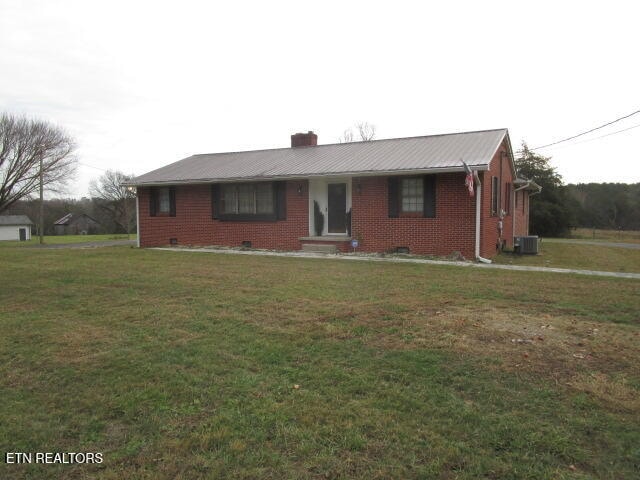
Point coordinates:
[[95, 244], [635, 246]]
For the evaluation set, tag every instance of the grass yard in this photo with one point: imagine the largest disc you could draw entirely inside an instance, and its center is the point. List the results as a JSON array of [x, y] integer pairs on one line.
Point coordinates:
[[574, 255], [182, 365], [631, 236], [60, 239]]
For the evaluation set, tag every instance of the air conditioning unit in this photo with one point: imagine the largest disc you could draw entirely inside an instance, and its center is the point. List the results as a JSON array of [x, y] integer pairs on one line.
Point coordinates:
[[528, 245]]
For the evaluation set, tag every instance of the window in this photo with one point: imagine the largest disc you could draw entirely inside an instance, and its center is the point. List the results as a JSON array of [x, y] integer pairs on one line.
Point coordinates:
[[507, 197], [162, 201], [494, 196], [412, 195], [249, 202], [264, 198], [247, 199]]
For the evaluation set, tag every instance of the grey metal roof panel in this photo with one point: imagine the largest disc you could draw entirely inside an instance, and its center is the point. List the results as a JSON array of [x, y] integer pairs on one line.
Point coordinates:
[[69, 218], [436, 152], [64, 220], [15, 220]]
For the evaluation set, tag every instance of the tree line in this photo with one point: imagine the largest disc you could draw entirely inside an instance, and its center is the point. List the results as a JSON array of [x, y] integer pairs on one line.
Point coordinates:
[[559, 207], [56, 208], [605, 205]]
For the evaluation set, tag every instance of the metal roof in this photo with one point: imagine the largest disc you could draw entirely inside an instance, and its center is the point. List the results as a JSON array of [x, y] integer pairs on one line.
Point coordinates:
[[397, 155], [15, 220], [70, 217], [64, 220]]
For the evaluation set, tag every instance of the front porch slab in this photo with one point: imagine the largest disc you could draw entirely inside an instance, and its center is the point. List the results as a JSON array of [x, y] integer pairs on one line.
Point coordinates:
[[319, 248], [326, 238]]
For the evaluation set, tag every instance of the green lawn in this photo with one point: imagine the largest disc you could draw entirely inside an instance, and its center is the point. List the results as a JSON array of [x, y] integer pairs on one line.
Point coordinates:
[[630, 236], [182, 365], [59, 239], [573, 255]]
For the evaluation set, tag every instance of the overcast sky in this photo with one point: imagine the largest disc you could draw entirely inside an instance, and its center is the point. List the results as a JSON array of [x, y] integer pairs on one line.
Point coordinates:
[[143, 84]]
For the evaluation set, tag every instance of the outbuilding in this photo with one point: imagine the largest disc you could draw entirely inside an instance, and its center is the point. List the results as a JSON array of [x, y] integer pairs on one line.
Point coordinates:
[[76, 224], [15, 227]]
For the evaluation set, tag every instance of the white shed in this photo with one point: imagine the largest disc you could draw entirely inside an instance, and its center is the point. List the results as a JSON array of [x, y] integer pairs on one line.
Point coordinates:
[[15, 227]]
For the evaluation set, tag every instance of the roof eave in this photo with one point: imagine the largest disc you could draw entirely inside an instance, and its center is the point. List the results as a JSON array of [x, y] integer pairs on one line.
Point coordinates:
[[367, 173]]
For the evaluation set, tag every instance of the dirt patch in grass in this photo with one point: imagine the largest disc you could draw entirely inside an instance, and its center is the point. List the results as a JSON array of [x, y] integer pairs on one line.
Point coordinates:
[[588, 356], [84, 343], [615, 391]]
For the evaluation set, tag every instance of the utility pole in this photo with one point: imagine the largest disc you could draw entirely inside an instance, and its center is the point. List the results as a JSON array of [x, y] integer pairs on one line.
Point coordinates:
[[41, 204], [126, 211]]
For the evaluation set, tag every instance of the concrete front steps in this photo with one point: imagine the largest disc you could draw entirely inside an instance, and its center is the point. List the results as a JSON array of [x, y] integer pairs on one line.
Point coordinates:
[[326, 244], [319, 248]]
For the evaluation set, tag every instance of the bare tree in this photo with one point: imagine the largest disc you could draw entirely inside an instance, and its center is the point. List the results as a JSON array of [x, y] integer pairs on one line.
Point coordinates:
[[116, 199], [28, 149], [347, 136], [366, 131]]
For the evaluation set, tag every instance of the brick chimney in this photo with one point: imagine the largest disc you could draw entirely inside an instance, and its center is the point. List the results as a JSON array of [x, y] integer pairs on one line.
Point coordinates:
[[308, 139]]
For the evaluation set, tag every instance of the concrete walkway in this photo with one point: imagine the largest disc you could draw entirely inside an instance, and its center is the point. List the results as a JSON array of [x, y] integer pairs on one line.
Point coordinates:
[[633, 246], [365, 258]]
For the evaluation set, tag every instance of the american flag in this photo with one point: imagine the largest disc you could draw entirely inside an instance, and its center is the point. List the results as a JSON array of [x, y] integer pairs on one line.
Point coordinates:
[[468, 181]]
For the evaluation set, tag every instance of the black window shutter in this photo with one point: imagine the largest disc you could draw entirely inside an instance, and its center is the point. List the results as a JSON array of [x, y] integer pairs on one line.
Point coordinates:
[[153, 201], [215, 201], [172, 201], [281, 200], [394, 197], [429, 196]]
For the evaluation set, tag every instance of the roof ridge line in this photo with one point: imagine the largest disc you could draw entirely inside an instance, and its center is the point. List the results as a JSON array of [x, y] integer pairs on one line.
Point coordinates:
[[347, 143]]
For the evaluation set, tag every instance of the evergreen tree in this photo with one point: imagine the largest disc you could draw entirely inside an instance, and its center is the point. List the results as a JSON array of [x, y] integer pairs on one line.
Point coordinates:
[[550, 211]]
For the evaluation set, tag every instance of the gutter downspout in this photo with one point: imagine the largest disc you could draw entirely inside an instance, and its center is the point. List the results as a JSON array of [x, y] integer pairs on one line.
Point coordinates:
[[513, 215], [137, 221], [478, 210]]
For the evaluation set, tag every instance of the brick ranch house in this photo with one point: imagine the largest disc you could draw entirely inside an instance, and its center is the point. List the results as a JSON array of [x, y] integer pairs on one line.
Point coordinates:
[[393, 195]]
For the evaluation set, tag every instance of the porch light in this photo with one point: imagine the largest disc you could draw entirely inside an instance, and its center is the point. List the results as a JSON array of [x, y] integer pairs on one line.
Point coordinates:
[[299, 189], [359, 188]]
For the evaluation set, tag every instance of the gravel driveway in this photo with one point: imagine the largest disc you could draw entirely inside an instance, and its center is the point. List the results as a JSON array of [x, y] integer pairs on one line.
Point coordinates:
[[96, 244]]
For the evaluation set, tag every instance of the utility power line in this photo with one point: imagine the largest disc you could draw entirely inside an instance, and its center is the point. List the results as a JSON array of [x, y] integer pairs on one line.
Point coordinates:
[[91, 166], [589, 131], [606, 135]]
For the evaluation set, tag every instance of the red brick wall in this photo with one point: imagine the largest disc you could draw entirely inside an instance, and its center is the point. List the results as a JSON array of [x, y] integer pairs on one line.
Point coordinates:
[[193, 224], [452, 229], [500, 167]]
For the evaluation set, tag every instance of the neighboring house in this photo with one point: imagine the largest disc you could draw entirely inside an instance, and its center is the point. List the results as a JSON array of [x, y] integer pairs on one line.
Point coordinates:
[[394, 195], [15, 227], [76, 224]]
